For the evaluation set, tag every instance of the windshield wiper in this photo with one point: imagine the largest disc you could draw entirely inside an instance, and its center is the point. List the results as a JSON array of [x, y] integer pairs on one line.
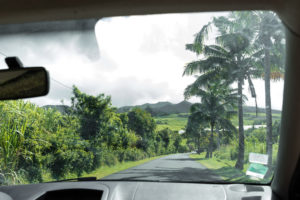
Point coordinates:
[[92, 178]]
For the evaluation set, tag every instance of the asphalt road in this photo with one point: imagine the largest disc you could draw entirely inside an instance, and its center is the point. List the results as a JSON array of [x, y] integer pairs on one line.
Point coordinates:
[[178, 167]]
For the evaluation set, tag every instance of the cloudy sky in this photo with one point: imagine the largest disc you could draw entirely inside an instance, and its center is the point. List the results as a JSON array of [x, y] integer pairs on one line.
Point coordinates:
[[136, 59]]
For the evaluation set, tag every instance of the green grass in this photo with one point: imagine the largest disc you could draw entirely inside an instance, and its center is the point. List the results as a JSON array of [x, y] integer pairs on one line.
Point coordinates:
[[223, 168], [226, 169], [174, 122]]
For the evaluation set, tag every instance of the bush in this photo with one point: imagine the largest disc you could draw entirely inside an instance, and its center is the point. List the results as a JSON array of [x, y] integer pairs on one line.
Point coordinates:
[[106, 157], [110, 159], [133, 155], [10, 177], [33, 166], [82, 162], [183, 148], [259, 121], [260, 134], [233, 153]]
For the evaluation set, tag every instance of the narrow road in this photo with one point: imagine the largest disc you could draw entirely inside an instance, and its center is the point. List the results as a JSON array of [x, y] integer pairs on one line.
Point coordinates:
[[177, 167]]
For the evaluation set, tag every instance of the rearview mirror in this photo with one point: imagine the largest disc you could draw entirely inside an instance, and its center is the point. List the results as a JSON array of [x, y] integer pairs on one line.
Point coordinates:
[[23, 83]]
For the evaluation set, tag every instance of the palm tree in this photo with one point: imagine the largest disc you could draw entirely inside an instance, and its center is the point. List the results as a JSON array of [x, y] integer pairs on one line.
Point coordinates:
[[231, 59], [216, 107], [270, 36], [196, 131]]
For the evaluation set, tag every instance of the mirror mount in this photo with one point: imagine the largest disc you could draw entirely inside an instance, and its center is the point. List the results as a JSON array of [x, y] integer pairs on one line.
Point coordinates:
[[13, 63]]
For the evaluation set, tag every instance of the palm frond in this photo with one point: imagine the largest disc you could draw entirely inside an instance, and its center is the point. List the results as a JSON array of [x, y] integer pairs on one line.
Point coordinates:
[[191, 68], [193, 90], [217, 51], [196, 48], [202, 66], [206, 78], [234, 42], [223, 24], [256, 53], [199, 38]]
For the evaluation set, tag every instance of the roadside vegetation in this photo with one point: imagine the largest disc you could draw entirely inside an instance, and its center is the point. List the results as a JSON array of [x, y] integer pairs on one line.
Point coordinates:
[[223, 161], [38, 144]]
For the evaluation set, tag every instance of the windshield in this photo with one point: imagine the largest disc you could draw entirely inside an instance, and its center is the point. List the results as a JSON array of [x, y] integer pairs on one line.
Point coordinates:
[[192, 97]]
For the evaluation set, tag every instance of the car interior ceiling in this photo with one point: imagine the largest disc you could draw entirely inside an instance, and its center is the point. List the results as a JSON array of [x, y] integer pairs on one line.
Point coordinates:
[[34, 11]]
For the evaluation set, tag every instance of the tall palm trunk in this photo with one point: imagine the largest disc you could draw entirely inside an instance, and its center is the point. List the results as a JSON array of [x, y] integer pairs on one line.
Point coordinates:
[[240, 160], [207, 153], [198, 143], [211, 140], [267, 72], [219, 136], [268, 106]]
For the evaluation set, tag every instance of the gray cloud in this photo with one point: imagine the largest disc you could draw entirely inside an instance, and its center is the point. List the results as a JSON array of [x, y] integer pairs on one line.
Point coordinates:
[[52, 50], [150, 71], [131, 91]]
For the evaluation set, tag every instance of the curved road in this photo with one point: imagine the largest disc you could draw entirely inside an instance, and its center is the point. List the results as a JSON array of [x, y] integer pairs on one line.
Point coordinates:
[[177, 167]]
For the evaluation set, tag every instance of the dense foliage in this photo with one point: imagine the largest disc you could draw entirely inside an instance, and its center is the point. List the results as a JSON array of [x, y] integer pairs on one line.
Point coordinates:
[[36, 141]]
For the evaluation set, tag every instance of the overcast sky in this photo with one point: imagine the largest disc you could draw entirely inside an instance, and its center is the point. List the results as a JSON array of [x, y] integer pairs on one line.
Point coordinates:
[[136, 60]]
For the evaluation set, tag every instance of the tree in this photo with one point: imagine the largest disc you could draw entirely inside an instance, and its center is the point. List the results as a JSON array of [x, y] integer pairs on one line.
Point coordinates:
[[143, 125], [270, 37], [150, 110], [165, 135], [216, 107], [196, 132], [230, 60], [177, 141], [94, 112]]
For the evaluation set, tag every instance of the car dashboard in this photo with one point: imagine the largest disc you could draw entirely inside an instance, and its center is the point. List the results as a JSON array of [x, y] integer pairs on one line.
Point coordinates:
[[129, 190]]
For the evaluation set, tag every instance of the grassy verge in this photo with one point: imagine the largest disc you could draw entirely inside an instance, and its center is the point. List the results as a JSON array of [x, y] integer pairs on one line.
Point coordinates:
[[223, 168], [108, 170], [105, 170]]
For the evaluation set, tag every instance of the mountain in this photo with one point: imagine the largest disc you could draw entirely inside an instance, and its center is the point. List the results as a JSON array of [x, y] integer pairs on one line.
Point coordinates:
[[155, 106], [167, 108], [61, 108], [161, 108], [182, 107]]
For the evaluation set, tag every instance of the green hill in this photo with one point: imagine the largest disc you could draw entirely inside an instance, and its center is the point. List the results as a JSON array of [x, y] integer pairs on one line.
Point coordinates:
[[155, 106], [161, 108], [166, 108]]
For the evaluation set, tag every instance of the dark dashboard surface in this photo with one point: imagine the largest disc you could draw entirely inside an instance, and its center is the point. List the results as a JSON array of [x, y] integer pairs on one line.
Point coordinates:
[[122, 190]]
